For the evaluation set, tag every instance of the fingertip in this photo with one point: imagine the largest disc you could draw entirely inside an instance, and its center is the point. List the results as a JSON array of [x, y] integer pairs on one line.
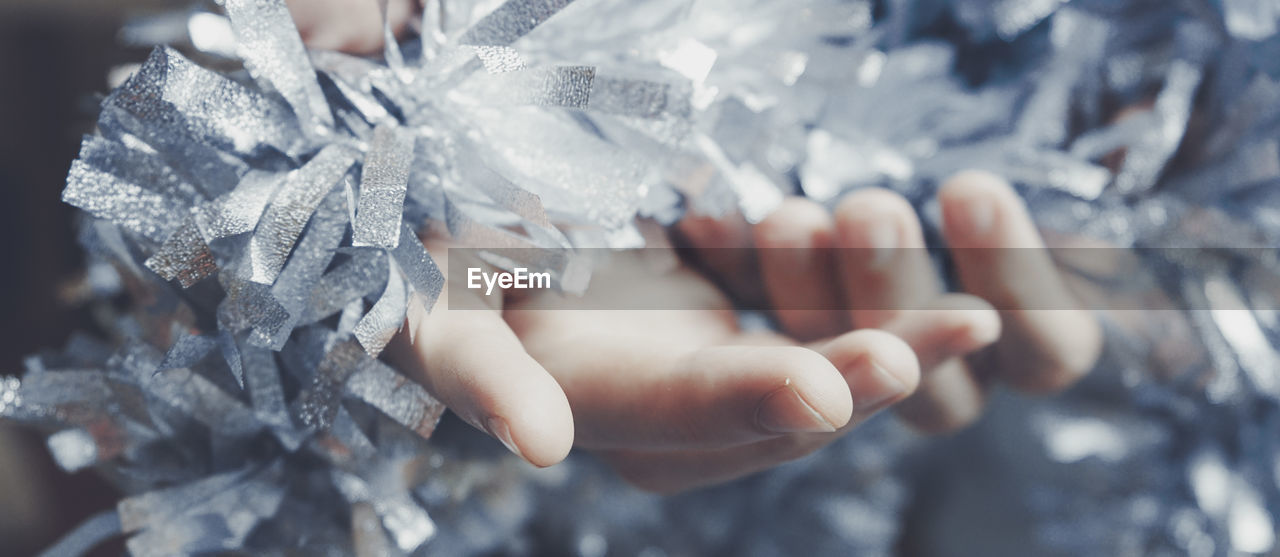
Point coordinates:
[[797, 222], [819, 384], [976, 205], [475, 364], [896, 357], [528, 412], [872, 200], [975, 182], [975, 322], [879, 368], [539, 431], [874, 218]]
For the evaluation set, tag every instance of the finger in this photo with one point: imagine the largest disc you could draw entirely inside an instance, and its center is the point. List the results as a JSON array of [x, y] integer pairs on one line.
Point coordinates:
[[889, 277], [879, 369], [953, 325], [799, 275], [348, 25], [720, 249], [712, 397], [950, 397], [1048, 342], [884, 266], [475, 364], [868, 360]]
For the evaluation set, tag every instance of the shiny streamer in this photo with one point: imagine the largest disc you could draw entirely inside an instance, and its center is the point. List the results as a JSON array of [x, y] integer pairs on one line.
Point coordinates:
[[274, 53], [290, 210], [382, 322], [184, 256], [308, 261], [244, 412], [419, 268], [511, 21], [382, 188]]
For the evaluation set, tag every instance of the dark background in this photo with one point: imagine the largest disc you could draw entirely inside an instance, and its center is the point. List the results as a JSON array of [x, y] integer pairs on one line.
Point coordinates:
[[54, 59]]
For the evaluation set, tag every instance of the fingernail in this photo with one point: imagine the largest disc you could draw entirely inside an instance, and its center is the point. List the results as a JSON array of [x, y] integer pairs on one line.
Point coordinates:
[[785, 411], [876, 386], [499, 429]]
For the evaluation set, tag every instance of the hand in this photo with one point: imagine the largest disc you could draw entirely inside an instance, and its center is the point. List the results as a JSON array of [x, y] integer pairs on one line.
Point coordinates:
[[957, 337], [679, 399], [353, 26], [673, 399], [1036, 341]]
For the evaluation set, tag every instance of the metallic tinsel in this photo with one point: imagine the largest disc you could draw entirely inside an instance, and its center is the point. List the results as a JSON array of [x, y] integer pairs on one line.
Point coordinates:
[[243, 411]]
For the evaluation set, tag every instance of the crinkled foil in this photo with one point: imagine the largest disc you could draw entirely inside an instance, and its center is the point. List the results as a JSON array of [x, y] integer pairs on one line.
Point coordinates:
[[291, 208], [382, 187], [273, 52], [269, 222]]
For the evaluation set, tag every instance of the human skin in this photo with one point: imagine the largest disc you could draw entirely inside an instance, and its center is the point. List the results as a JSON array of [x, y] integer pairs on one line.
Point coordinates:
[[678, 399], [353, 26], [674, 400]]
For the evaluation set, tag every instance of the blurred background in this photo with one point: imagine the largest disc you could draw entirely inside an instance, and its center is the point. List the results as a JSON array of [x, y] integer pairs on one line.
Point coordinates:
[[55, 56]]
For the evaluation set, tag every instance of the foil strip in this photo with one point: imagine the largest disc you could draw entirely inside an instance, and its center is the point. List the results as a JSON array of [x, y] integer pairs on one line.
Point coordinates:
[[237, 211], [563, 86], [511, 21], [273, 52], [197, 397], [500, 59], [91, 532], [214, 112], [290, 210], [391, 47], [249, 305], [266, 392], [637, 98], [407, 522], [344, 443], [382, 188], [131, 206], [1147, 158], [418, 267], [400, 398], [184, 257], [347, 283], [187, 351], [298, 280], [317, 406], [157, 507], [385, 319], [139, 167]]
